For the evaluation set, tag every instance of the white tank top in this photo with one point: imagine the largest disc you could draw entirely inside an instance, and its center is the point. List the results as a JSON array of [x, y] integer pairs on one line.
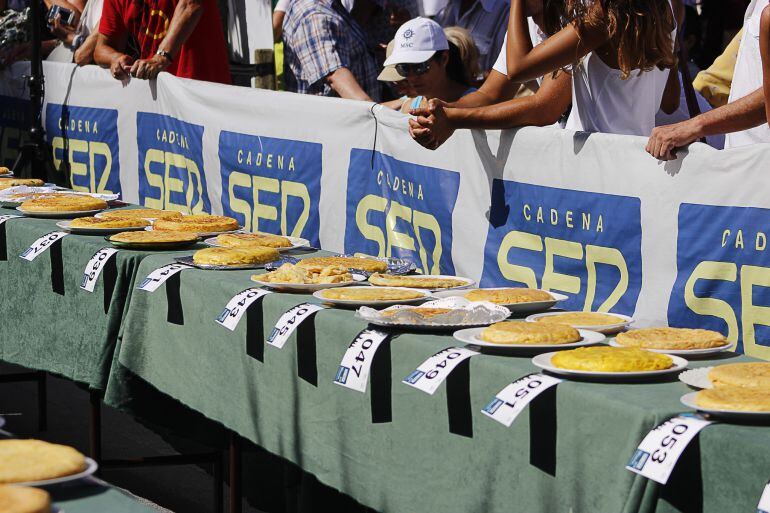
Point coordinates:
[[603, 102], [748, 76]]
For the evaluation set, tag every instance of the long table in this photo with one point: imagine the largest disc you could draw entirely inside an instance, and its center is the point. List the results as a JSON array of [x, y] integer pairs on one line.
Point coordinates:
[[393, 448]]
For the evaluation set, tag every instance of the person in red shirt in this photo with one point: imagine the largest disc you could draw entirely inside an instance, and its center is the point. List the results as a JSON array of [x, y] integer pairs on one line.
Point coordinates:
[[183, 37]]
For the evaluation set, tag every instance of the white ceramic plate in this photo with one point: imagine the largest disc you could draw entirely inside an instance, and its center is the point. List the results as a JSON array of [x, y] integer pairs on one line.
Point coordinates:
[[188, 260], [91, 467], [467, 282], [689, 401], [59, 215], [472, 336], [500, 314], [544, 362], [296, 243], [65, 225], [204, 234], [689, 353], [388, 302], [606, 329], [697, 378], [532, 307]]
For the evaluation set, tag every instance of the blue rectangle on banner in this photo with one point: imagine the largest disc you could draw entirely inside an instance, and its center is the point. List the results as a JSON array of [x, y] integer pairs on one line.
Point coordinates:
[[14, 120], [400, 209], [271, 185], [583, 244], [87, 138], [723, 274], [171, 164]]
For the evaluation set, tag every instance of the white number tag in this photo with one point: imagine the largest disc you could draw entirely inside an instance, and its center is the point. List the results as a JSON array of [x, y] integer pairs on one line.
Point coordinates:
[[237, 306], [159, 276], [764, 501], [40, 245], [95, 267], [356, 363], [512, 400], [6, 217], [656, 456], [289, 321], [435, 369]]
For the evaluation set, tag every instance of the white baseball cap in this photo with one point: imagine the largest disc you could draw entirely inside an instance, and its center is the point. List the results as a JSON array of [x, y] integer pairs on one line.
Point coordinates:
[[417, 40]]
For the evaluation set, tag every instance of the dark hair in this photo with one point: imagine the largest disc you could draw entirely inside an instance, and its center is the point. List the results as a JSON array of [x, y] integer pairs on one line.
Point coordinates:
[[455, 68]]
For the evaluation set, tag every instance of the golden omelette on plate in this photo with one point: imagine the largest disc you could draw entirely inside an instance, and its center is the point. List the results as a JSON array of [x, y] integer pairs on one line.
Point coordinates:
[[292, 274], [153, 237], [111, 222], [24, 499], [748, 375], [142, 213], [233, 256], [250, 240], [671, 338], [64, 203], [611, 359], [370, 294], [35, 460], [508, 296], [581, 319], [734, 398], [201, 223], [7, 183], [521, 333], [415, 282], [365, 264]]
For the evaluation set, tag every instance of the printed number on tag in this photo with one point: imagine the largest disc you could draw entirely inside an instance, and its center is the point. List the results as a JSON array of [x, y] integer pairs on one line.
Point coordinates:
[[40, 245], [95, 267], [159, 276], [289, 321], [356, 363], [656, 456], [764, 501], [512, 400], [435, 369], [6, 217], [237, 306]]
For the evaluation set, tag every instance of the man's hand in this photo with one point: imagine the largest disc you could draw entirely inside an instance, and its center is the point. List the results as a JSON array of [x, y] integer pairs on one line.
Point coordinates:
[[62, 32], [148, 69], [120, 67], [665, 140], [431, 127]]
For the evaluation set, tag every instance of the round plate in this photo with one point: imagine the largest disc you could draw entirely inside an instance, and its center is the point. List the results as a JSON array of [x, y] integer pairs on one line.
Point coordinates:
[[296, 243], [544, 362], [606, 329], [152, 246], [689, 353], [423, 327], [697, 378], [204, 234], [387, 302], [188, 260], [65, 225], [689, 401], [471, 336], [306, 288], [467, 282], [91, 467], [59, 215], [531, 307]]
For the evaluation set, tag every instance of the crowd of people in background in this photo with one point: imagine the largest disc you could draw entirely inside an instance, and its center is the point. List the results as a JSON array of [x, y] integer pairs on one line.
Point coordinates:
[[674, 71]]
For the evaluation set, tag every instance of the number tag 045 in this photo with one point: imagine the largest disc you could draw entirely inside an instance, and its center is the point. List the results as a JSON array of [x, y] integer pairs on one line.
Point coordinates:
[[289, 322], [656, 456]]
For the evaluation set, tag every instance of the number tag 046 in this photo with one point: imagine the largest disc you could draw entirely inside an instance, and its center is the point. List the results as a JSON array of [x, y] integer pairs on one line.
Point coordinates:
[[356, 363], [656, 456], [237, 306], [433, 371], [512, 400]]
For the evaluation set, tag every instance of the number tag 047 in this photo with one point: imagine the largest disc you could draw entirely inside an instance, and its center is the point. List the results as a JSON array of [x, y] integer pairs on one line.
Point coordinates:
[[237, 306], [95, 267], [433, 371], [356, 363], [656, 456], [512, 400]]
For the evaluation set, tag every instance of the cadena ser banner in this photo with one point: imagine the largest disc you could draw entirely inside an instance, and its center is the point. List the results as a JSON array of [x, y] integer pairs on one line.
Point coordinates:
[[591, 216]]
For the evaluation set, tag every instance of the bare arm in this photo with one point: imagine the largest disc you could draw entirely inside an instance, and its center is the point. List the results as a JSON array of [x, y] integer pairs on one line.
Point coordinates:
[[496, 88], [106, 54], [278, 17], [346, 86], [764, 49], [672, 94], [748, 112], [85, 54], [560, 50]]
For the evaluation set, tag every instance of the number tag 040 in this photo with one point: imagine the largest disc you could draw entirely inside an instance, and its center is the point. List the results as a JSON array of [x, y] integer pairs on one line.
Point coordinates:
[[656, 456]]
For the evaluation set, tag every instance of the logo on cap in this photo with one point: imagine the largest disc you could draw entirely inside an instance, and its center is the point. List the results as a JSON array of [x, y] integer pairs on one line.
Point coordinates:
[[408, 33]]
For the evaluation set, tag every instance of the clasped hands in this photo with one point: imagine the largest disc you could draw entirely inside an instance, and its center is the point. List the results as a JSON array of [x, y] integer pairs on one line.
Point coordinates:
[[431, 127], [124, 66]]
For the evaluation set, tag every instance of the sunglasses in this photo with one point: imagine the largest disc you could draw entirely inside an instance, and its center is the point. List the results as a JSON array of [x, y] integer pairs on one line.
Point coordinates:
[[413, 69]]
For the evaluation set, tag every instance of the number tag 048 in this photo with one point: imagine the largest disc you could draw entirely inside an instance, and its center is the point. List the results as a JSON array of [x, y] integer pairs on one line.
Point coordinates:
[[433, 371], [656, 456], [95, 267], [237, 306], [512, 400], [289, 322], [356, 363]]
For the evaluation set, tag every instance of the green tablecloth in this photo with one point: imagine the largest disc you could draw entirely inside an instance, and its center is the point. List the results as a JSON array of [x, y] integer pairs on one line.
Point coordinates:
[[398, 449], [49, 323], [94, 496]]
